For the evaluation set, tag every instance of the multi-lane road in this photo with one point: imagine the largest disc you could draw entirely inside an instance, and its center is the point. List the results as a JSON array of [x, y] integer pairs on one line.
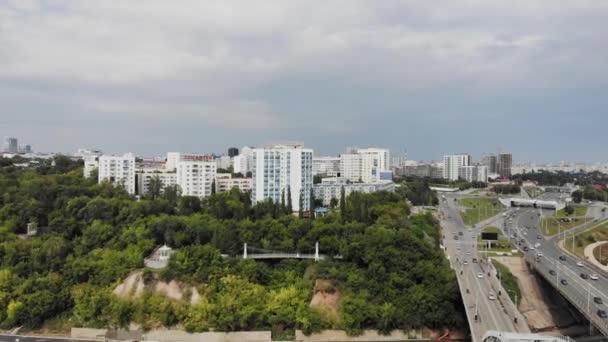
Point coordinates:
[[488, 306], [570, 275]]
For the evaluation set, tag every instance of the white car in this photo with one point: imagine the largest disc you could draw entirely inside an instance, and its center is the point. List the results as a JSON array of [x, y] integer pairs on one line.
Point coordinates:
[[480, 275], [579, 264], [491, 296], [593, 277], [532, 248], [537, 245], [465, 262], [468, 252], [539, 254]]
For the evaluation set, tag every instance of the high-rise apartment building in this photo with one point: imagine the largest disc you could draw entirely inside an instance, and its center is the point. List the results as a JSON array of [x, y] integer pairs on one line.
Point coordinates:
[[195, 174], [452, 163], [243, 163], [365, 165], [283, 169], [473, 173], [118, 170], [491, 161], [505, 161], [326, 166], [11, 145]]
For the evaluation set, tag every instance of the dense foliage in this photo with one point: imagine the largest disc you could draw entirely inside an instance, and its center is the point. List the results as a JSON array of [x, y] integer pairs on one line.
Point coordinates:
[[560, 178], [91, 236], [506, 189], [591, 194], [418, 192]]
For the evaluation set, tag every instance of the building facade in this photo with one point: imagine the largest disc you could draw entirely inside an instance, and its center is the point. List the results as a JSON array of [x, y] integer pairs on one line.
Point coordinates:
[[491, 161], [11, 145], [505, 161], [473, 173], [452, 164], [146, 170], [364, 165], [195, 174], [331, 188], [224, 182], [326, 166], [283, 169], [118, 170]]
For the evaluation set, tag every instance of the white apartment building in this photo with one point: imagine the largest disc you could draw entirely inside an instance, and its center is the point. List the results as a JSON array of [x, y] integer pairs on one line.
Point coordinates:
[[452, 163], [225, 182], [147, 170], [332, 187], [283, 169], [224, 162], [118, 170], [364, 165], [473, 173], [326, 166], [243, 163], [195, 174], [90, 158]]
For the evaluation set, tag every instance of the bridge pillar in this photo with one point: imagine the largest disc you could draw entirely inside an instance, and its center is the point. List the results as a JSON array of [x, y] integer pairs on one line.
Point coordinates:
[[245, 250], [317, 251]]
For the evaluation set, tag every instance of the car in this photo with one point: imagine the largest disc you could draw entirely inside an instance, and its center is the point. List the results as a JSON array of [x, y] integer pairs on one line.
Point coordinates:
[[579, 264], [465, 262], [551, 272], [525, 233], [470, 230], [474, 260], [564, 282], [480, 275], [539, 254], [460, 233], [537, 245], [562, 257], [525, 248], [532, 248], [584, 276], [468, 253], [491, 296], [598, 300], [538, 237], [602, 314], [594, 277], [455, 237]]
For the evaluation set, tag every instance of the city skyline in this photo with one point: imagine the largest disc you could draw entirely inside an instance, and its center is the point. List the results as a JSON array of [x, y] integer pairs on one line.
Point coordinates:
[[160, 77]]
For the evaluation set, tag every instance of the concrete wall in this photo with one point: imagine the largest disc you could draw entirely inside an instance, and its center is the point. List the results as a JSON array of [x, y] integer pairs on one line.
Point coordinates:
[[90, 334], [182, 336]]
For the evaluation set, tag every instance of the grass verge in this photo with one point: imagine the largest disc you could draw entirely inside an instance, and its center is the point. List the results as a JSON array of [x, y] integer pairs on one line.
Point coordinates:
[[508, 281], [478, 209]]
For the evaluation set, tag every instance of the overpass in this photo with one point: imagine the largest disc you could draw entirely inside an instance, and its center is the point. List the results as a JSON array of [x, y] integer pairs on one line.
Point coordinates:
[[533, 203], [563, 271]]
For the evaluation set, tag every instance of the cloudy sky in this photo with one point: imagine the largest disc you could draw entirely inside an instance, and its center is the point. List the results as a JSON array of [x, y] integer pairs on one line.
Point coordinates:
[[432, 77]]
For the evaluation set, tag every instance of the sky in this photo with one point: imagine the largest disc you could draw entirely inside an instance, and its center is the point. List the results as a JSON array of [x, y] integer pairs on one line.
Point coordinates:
[[430, 77]]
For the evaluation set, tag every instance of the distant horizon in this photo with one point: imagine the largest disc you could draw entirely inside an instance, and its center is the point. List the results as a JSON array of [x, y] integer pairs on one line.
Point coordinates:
[[476, 158]]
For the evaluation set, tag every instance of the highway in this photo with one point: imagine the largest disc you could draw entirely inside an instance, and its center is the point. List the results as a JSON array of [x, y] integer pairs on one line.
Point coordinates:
[[522, 228], [477, 280]]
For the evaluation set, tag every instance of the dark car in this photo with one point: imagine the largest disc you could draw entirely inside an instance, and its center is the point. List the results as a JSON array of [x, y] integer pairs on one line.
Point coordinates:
[[602, 313], [562, 257], [474, 260], [564, 282], [551, 272], [460, 233], [584, 276], [598, 300], [538, 237]]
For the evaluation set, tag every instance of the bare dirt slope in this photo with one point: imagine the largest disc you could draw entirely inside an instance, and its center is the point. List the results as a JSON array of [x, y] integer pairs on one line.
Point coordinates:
[[133, 287], [543, 309]]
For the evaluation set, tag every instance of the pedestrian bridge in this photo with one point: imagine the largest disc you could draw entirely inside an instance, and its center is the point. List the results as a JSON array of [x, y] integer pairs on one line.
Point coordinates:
[[259, 253]]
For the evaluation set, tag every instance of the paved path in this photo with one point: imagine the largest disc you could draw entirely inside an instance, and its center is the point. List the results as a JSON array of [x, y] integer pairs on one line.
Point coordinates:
[[20, 338], [591, 258]]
